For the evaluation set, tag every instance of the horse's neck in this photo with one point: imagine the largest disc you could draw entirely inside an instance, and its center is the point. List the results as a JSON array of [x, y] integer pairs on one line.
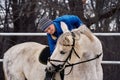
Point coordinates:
[[78, 72]]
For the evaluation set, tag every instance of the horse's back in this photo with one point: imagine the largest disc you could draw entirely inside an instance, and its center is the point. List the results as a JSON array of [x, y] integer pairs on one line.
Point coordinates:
[[21, 59], [17, 49]]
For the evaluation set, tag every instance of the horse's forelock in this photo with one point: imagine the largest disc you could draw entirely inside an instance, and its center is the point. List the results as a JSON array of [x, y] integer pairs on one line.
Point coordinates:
[[65, 39]]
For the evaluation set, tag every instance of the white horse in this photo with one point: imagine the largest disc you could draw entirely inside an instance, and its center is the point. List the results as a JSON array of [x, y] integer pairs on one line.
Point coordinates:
[[79, 53], [21, 62]]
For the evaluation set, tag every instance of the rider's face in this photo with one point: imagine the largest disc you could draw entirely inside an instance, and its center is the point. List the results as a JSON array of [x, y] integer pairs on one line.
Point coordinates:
[[50, 29]]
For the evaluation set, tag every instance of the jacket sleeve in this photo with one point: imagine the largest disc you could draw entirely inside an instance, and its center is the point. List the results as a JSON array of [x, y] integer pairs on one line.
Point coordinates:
[[70, 19], [75, 20], [51, 43]]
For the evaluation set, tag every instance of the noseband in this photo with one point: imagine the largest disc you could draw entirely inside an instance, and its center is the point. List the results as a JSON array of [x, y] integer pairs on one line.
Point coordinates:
[[63, 66]]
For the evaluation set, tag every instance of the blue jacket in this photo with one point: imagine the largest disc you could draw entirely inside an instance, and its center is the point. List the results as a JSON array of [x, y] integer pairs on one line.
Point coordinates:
[[72, 22]]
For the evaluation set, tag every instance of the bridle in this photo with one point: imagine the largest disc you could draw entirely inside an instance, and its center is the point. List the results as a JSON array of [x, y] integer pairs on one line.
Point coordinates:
[[63, 66]]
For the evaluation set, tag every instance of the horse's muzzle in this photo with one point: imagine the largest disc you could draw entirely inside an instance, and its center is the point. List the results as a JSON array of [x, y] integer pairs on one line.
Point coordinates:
[[50, 69], [54, 68]]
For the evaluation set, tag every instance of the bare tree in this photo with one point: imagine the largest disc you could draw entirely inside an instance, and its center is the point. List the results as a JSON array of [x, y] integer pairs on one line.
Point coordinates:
[[22, 16]]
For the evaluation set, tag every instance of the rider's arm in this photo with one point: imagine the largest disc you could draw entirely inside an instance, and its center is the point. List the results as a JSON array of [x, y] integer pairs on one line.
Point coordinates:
[[51, 43], [70, 19]]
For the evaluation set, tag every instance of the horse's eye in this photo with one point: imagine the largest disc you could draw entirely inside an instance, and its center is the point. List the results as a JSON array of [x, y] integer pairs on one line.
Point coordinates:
[[61, 52]]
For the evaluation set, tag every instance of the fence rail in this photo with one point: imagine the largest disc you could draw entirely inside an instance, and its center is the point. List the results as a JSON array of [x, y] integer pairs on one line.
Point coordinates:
[[110, 62], [44, 34], [23, 34], [103, 62], [1, 60]]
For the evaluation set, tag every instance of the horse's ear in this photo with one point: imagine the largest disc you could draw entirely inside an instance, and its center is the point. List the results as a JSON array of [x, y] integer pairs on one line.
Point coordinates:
[[64, 27]]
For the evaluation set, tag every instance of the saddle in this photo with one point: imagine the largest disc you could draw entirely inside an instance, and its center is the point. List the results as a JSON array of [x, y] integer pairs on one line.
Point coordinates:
[[44, 55]]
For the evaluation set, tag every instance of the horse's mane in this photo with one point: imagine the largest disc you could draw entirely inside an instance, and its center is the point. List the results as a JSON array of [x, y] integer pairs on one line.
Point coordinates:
[[84, 30]]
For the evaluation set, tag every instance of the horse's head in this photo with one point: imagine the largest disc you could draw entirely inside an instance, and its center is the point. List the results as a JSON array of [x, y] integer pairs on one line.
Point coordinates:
[[70, 49]]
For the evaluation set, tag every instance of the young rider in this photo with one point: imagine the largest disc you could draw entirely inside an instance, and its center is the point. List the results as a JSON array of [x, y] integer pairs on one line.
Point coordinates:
[[53, 27]]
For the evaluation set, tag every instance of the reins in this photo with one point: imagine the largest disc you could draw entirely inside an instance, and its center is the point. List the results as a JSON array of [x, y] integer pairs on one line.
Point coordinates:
[[84, 61]]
